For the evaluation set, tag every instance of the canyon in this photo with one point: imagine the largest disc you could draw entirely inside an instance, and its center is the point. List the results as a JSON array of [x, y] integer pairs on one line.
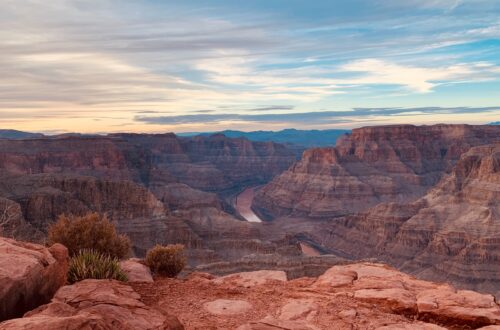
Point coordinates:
[[157, 189], [422, 199]]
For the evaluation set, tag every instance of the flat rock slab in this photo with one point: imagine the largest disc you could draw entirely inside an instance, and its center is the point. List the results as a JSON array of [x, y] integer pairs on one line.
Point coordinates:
[[227, 306], [250, 279], [270, 323], [298, 309]]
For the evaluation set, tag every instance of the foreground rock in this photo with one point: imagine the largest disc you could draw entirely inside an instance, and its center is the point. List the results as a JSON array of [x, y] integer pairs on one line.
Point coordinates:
[[30, 274], [95, 304], [136, 271], [355, 296]]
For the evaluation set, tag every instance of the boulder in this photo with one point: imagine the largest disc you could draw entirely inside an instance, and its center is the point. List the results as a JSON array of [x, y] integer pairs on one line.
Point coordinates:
[[136, 271], [30, 274], [95, 304]]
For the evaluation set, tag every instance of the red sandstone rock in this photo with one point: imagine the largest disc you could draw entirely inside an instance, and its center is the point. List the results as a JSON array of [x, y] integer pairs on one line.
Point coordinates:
[[136, 271], [376, 297], [95, 304], [30, 274], [250, 279]]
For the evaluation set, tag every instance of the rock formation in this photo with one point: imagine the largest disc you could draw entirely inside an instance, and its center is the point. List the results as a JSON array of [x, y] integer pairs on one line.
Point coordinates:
[[95, 304], [210, 163], [149, 185], [356, 296], [350, 296], [30, 274], [452, 233], [370, 166]]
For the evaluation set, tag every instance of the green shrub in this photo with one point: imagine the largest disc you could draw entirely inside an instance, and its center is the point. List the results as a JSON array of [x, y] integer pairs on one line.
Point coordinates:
[[92, 264], [166, 260], [91, 231]]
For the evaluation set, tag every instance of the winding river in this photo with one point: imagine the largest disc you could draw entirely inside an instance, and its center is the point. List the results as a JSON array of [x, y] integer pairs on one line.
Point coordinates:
[[243, 204]]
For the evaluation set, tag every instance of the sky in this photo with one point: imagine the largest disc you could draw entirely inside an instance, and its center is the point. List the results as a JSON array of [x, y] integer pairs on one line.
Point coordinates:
[[97, 66]]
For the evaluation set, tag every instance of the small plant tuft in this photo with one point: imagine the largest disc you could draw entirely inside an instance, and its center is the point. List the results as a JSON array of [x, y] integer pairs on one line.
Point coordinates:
[[91, 231], [167, 260], [89, 264]]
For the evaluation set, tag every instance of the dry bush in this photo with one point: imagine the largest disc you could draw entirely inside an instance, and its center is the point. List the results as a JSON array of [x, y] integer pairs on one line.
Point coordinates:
[[91, 231], [167, 260], [92, 264]]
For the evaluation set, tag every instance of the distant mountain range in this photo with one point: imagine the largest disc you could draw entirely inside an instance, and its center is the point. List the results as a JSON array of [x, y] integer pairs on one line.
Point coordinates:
[[303, 138], [13, 134], [300, 139], [495, 123]]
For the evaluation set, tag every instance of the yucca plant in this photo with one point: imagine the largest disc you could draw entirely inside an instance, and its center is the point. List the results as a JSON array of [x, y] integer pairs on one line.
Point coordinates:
[[87, 264]]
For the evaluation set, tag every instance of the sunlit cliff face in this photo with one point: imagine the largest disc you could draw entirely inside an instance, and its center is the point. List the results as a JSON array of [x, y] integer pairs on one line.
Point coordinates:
[[150, 66]]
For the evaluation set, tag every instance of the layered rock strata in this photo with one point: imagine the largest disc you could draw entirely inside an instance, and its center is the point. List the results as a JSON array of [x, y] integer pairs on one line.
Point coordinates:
[[370, 166], [452, 233], [212, 163]]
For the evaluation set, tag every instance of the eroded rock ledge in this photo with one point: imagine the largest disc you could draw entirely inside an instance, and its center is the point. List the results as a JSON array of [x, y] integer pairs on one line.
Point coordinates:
[[355, 296]]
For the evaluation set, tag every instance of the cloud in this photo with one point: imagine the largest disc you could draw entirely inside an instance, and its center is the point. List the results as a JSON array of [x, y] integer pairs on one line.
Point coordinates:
[[414, 78], [310, 117], [79, 59], [274, 108]]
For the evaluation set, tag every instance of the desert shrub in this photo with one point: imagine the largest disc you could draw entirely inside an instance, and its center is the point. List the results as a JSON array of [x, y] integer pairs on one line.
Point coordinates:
[[166, 260], [91, 231], [92, 264]]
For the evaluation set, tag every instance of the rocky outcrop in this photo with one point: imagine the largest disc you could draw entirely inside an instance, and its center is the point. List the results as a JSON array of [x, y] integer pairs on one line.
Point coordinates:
[[95, 304], [30, 274], [40, 199], [452, 233], [370, 166], [351, 296], [294, 266], [355, 296], [212, 163], [148, 184]]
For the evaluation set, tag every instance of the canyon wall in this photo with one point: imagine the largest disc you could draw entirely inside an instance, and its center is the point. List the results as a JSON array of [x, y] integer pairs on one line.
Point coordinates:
[[150, 186], [452, 233], [210, 163], [370, 166]]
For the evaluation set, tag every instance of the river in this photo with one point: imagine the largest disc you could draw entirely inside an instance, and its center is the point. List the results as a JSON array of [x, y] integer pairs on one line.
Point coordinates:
[[243, 204]]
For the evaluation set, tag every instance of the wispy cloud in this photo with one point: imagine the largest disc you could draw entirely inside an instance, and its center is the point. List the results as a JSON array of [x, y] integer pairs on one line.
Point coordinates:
[[311, 117], [79, 59]]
